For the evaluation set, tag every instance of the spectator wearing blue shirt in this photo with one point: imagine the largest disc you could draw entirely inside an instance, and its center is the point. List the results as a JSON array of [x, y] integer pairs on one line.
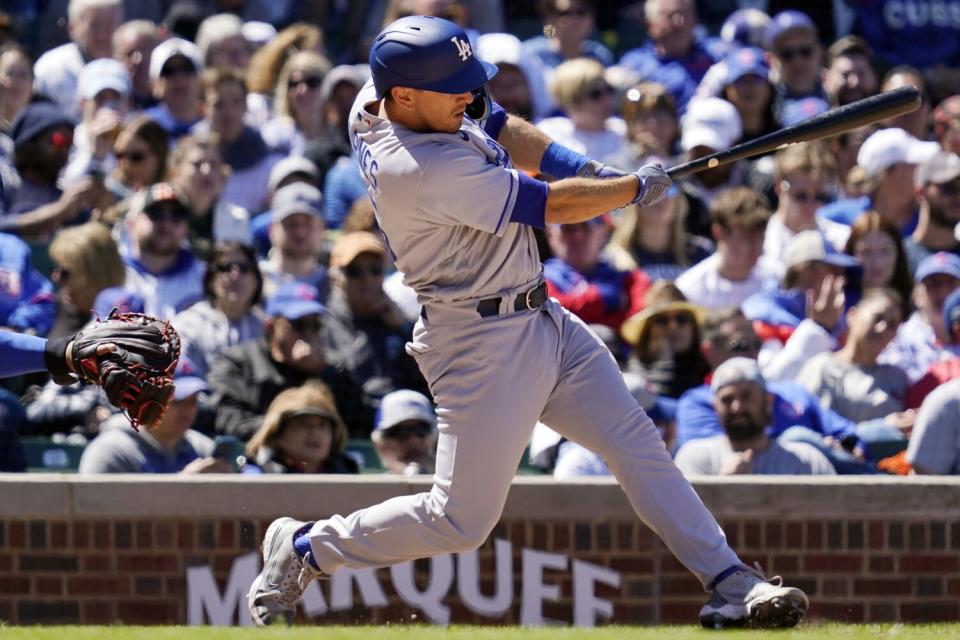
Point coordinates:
[[793, 42], [566, 27], [675, 57], [921, 34], [342, 187], [27, 300], [175, 67]]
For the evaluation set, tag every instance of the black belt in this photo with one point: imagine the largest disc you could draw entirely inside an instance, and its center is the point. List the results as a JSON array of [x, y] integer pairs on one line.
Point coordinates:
[[524, 301]]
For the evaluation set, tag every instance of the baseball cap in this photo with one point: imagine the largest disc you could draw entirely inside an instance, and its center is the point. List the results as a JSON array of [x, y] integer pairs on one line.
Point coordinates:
[[352, 244], [36, 118], [296, 198], [159, 193], [293, 300], [738, 369], [186, 382], [171, 48], [941, 262], [945, 115], [124, 300], [258, 33], [289, 166], [744, 62], [942, 167], [811, 246], [951, 313], [799, 109], [887, 147], [662, 297], [746, 27], [101, 74], [710, 122], [787, 21], [402, 405]]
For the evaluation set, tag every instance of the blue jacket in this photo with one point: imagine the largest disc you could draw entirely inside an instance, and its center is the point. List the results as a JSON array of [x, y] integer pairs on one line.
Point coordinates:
[[27, 300], [792, 406], [679, 76], [895, 28]]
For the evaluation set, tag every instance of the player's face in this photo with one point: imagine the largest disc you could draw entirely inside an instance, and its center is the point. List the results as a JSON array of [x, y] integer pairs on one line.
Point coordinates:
[[305, 441], [743, 410], [438, 112], [877, 253]]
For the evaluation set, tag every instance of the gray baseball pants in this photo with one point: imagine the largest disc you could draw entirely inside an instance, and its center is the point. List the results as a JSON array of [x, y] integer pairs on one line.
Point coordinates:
[[493, 379]]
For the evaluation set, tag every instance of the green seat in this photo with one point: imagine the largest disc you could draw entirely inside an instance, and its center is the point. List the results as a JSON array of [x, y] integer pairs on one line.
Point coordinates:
[[44, 455], [364, 452]]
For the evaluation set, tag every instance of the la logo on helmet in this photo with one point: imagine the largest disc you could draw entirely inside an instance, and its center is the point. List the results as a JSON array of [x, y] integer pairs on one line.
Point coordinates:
[[463, 48]]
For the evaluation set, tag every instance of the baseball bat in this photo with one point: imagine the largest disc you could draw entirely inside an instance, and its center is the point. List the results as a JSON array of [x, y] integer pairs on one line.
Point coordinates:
[[830, 123]]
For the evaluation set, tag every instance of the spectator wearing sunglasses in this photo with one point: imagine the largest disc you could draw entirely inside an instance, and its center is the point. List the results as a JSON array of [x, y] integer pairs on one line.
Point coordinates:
[[175, 67], [229, 313], [245, 378], [567, 26], [665, 338], [793, 41], [405, 435], [167, 275], [365, 332], [296, 238], [589, 126], [298, 104], [796, 414], [938, 180], [803, 172], [141, 151], [301, 433]]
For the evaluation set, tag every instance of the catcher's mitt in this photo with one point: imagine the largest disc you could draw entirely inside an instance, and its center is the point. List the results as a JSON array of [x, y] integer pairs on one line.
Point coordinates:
[[137, 375]]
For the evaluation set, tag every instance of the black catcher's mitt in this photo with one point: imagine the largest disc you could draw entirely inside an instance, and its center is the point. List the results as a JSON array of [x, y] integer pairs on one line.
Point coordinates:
[[137, 375]]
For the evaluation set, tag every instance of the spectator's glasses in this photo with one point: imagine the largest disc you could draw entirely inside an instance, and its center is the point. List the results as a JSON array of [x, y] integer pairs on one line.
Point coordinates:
[[803, 197], [61, 139], [599, 92], [306, 324], [679, 319], [735, 345], [788, 54], [167, 214], [228, 267], [354, 271], [169, 70], [405, 432], [311, 82], [133, 157]]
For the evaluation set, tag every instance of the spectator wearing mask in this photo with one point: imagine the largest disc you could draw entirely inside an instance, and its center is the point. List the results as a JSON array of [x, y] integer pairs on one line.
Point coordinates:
[[743, 407], [793, 42], [242, 146], [133, 44], [167, 275], [405, 435], [35, 205], [245, 378], [585, 282], [888, 157], [934, 448], [674, 56], [27, 299], [91, 24], [170, 447], [229, 313], [301, 433], [296, 236], [738, 268], [175, 67], [567, 26], [938, 181], [942, 370], [923, 338], [851, 381], [364, 332], [849, 75]]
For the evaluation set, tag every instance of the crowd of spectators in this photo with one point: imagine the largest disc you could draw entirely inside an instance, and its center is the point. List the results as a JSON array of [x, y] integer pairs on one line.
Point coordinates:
[[796, 313]]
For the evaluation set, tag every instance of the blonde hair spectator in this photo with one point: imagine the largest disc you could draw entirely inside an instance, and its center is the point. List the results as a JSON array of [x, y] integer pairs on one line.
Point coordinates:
[[309, 63], [266, 63], [87, 262], [571, 80]]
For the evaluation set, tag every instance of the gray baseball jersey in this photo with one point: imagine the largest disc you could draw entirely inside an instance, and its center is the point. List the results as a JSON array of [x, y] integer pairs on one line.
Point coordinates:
[[450, 234]]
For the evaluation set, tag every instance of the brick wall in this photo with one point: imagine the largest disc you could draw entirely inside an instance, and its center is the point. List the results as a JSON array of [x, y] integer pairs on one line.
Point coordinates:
[[122, 556]]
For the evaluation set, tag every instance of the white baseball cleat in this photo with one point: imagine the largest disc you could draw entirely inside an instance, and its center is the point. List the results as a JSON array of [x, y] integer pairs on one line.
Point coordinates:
[[274, 593], [747, 598]]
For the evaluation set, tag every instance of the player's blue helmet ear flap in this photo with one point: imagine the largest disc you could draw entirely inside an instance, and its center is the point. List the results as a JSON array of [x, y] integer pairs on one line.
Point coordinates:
[[423, 52]]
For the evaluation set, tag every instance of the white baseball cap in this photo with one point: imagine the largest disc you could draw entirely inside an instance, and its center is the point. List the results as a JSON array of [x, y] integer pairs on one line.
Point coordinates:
[[735, 370], [101, 74], [887, 147], [170, 48], [942, 168], [710, 122], [402, 405]]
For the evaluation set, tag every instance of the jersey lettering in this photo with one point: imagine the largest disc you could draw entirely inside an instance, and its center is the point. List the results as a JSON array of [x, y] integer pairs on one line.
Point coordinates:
[[463, 48]]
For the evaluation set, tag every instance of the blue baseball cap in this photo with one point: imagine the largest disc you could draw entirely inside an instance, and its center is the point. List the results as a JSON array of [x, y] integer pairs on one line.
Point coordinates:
[[294, 300], [799, 109], [940, 262], [746, 27], [186, 382], [402, 405], [951, 314], [787, 21], [744, 62], [124, 300]]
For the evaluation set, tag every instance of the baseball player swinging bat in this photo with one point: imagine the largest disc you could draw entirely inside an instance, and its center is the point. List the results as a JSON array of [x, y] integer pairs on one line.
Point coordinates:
[[834, 122]]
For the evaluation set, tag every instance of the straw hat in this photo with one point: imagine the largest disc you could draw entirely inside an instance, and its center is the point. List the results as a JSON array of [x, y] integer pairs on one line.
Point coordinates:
[[663, 297]]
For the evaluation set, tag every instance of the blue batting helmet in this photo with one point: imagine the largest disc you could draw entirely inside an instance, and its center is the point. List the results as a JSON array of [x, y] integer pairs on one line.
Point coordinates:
[[423, 52]]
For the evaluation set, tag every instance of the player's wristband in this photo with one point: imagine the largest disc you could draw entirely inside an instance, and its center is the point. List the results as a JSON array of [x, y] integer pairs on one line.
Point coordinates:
[[561, 162], [54, 356]]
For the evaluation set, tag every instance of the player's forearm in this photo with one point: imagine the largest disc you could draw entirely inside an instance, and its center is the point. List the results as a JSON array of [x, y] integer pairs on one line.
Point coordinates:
[[524, 142], [579, 199]]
